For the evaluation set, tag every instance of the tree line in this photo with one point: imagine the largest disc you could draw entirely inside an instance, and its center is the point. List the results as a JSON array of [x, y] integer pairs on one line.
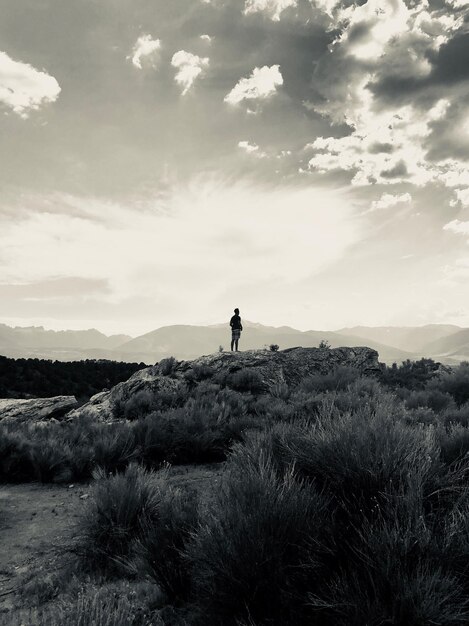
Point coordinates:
[[42, 378]]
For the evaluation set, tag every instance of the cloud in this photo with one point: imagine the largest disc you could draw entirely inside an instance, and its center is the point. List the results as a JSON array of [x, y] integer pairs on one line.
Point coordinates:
[[462, 196], [23, 88], [146, 51], [370, 26], [400, 133], [380, 78], [251, 148], [206, 38], [273, 8], [383, 47], [262, 84], [189, 66], [388, 200], [458, 227]]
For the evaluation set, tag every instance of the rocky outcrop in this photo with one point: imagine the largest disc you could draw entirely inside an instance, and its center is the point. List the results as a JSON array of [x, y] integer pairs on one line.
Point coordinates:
[[37, 409], [287, 366]]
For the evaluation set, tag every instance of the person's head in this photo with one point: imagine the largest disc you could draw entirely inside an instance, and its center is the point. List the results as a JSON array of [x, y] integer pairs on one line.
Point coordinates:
[[236, 311]]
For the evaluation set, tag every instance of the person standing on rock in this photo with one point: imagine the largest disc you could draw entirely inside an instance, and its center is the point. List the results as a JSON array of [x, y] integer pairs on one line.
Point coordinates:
[[236, 328]]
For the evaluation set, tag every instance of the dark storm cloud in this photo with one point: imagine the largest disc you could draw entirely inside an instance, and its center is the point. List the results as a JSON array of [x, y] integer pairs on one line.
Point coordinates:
[[449, 67]]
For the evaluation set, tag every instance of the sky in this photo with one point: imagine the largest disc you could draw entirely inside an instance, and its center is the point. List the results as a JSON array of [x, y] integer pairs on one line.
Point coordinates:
[[165, 162]]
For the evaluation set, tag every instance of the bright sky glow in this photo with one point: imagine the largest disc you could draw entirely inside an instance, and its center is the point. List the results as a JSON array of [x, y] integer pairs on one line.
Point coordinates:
[[164, 162]]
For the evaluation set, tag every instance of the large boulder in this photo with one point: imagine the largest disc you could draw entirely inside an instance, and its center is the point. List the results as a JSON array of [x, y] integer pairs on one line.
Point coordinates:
[[287, 366], [37, 409]]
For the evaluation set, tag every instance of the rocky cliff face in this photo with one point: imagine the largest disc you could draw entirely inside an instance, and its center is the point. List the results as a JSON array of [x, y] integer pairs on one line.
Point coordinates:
[[287, 366]]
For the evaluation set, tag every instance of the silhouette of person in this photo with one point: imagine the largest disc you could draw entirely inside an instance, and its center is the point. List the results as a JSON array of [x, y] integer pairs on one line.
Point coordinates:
[[236, 328]]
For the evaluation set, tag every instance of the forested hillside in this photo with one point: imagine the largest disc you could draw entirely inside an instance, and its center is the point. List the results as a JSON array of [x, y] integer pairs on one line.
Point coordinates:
[[27, 378]]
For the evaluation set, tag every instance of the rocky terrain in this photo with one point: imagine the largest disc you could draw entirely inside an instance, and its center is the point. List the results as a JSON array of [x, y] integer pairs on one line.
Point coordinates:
[[167, 377], [272, 368], [36, 409]]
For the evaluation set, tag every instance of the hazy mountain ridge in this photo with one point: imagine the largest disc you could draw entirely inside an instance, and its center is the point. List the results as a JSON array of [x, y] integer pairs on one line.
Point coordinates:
[[455, 344], [394, 344], [409, 338]]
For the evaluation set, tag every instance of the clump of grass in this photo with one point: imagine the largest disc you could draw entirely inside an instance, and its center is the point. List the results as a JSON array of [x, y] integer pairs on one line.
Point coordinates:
[[116, 604], [114, 448], [113, 518]]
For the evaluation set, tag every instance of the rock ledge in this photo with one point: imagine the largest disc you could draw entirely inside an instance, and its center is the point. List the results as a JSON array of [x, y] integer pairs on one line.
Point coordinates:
[[286, 366]]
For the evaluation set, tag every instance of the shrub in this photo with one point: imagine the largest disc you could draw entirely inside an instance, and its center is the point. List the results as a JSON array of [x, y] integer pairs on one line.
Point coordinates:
[[140, 404], [197, 373], [51, 460], [15, 456], [456, 415], [454, 382], [454, 443], [167, 367], [258, 548], [273, 347], [164, 539], [246, 380], [114, 447], [423, 596], [114, 515], [336, 380], [422, 415], [364, 458], [281, 391], [431, 398], [200, 432], [410, 374], [144, 402], [272, 408]]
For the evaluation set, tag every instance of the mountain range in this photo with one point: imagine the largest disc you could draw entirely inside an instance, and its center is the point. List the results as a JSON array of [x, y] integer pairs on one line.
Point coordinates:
[[442, 342]]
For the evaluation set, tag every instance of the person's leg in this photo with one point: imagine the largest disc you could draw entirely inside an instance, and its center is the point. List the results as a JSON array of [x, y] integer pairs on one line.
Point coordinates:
[[236, 343], [232, 344]]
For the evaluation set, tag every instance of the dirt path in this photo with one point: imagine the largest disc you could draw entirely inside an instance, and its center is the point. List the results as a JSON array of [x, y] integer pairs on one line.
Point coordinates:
[[36, 531]]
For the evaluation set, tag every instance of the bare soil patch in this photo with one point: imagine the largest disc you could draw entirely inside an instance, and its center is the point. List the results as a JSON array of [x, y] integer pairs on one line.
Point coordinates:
[[38, 530]]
